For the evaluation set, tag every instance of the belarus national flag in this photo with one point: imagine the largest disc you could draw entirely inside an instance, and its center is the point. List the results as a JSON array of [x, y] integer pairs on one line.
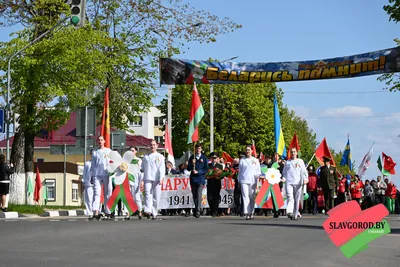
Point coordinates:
[[196, 114]]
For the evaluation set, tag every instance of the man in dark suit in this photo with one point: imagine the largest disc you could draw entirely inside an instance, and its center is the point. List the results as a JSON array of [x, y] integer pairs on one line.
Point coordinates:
[[198, 167], [329, 183], [214, 185]]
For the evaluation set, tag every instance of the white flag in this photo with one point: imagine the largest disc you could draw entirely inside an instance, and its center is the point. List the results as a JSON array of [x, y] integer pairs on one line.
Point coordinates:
[[366, 162]]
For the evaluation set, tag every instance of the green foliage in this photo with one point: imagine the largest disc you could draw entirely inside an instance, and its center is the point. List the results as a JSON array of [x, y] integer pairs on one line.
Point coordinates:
[[56, 70], [26, 209], [39, 209], [119, 47], [391, 79], [242, 113]]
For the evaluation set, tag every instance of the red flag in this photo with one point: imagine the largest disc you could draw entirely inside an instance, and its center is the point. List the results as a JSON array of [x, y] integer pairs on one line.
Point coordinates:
[[105, 121], [294, 144], [253, 147], [388, 163], [38, 186], [323, 150], [227, 157], [168, 146]]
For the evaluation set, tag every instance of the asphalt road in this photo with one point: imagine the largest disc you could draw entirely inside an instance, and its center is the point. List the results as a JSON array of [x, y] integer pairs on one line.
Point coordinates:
[[178, 241]]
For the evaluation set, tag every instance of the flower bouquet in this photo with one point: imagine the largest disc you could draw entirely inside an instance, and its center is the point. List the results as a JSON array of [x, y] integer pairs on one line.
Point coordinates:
[[214, 173]]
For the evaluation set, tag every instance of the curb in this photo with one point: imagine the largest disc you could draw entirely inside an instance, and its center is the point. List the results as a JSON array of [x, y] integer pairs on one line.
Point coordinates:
[[63, 213], [9, 215]]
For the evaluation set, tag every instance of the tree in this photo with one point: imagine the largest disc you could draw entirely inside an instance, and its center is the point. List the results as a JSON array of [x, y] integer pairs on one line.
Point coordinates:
[[119, 48], [392, 79], [242, 113]]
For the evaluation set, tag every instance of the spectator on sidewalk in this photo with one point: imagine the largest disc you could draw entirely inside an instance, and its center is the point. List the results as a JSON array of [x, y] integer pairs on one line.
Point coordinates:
[[5, 172]]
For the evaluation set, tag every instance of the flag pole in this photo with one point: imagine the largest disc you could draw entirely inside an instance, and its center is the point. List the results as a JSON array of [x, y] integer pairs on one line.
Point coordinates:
[[194, 156], [310, 160]]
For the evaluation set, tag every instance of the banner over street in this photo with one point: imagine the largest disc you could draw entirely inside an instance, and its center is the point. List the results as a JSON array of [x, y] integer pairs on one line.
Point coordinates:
[[181, 71]]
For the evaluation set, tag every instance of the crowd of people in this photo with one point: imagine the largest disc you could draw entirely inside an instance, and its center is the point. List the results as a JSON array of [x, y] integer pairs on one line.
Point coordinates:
[[325, 188]]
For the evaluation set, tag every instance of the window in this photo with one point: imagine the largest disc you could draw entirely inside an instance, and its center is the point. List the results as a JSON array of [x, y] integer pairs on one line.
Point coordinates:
[[158, 121], [51, 189], [159, 139], [138, 123], [75, 190], [39, 160]]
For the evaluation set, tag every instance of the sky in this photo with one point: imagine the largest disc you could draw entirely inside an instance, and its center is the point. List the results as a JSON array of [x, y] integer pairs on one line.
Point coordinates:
[[284, 31]]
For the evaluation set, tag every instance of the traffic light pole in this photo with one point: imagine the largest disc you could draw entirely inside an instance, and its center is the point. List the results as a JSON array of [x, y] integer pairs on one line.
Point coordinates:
[[8, 109]]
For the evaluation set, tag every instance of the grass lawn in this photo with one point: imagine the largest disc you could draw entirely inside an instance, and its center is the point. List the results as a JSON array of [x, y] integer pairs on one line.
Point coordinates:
[[37, 209]]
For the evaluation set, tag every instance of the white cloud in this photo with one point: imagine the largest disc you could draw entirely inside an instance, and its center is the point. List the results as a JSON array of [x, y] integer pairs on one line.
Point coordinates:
[[348, 111]]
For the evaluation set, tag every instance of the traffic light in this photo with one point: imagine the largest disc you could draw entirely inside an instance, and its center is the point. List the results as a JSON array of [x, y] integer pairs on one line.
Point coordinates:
[[78, 8]]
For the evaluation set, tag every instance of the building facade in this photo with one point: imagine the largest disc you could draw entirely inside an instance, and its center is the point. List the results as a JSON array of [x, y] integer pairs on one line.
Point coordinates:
[[62, 174], [149, 125]]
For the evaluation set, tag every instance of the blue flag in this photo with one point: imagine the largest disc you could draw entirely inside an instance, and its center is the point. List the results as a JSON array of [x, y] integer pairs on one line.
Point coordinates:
[[280, 147], [346, 158]]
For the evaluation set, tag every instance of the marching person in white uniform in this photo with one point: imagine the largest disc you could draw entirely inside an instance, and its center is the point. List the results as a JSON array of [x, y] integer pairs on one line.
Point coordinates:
[[88, 183], [99, 163], [249, 172], [136, 182], [153, 167], [296, 175]]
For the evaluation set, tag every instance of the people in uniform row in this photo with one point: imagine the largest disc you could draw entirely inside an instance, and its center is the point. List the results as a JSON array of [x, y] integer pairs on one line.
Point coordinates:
[[246, 174], [150, 180]]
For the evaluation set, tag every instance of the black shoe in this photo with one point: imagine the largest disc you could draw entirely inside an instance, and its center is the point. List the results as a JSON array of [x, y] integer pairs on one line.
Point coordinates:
[[290, 216], [197, 216], [147, 215], [98, 217], [90, 217], [111, 216], [5, 209], [187, 214], [276, 215]]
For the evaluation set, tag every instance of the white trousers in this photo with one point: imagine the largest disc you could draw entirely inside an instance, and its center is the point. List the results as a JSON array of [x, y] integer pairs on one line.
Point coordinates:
[[293, 194], [152, 191], [136, 195], [89, 199], [248, 195], [98, 181]]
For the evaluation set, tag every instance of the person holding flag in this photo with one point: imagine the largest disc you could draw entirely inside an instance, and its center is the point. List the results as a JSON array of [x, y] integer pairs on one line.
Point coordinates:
[[99, 163], [198, 167]]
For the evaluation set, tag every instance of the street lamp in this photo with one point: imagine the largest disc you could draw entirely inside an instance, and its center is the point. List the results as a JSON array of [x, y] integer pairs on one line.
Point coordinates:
[[212, 110]]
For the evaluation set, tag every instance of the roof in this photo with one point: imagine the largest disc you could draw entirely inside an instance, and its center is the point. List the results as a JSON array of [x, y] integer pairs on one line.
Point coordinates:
[[66, 134]]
